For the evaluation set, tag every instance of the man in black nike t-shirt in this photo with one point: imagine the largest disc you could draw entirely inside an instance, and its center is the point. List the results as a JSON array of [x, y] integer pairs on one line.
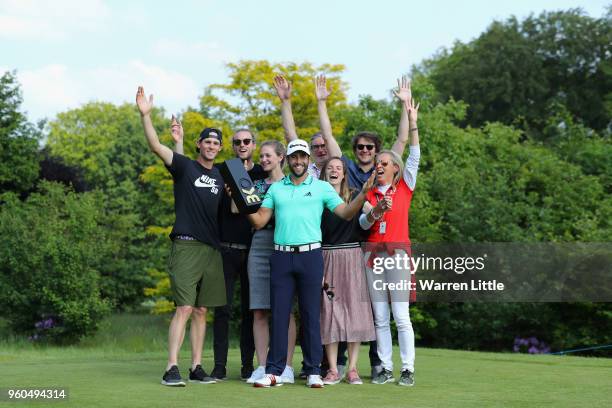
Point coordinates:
[[195, 266]]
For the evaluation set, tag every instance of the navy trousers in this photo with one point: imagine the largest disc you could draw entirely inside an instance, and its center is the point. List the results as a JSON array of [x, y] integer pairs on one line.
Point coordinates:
[[290, 272]]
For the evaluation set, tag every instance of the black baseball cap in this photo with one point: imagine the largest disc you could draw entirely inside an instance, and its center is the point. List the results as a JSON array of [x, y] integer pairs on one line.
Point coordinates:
[[211, 132]]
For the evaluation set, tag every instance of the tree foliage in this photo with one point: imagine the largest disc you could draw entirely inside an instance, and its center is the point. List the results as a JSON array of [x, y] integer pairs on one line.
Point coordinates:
[[516, 71], [18, 139], [54, 247]]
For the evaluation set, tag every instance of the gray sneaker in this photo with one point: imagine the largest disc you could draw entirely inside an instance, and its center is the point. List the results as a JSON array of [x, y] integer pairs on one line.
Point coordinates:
[[383, 377], [406, 378]]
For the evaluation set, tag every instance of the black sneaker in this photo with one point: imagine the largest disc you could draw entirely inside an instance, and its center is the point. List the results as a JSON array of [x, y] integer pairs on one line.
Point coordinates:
[[199, 375], [245, 373], [303, 374], [219, 373], [172, 378], [406, 378], [383, 377]]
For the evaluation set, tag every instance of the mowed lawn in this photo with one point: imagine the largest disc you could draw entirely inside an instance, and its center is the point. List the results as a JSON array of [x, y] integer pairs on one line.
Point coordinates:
[[120, 368]]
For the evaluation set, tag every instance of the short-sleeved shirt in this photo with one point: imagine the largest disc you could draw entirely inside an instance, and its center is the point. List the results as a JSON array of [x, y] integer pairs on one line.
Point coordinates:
[[357, 177], [197, 198], [236, 228], [298, 209]]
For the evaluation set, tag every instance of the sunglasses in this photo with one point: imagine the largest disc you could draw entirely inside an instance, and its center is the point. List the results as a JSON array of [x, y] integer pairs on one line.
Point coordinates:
[[365, 146], [328, 291], [382, 163], [238, 142]]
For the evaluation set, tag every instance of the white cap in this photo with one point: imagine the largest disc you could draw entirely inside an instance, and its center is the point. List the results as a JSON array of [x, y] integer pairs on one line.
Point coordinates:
[[297, 145]]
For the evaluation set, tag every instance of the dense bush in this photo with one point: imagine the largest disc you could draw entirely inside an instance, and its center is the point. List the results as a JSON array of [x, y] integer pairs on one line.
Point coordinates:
[[52, 247]]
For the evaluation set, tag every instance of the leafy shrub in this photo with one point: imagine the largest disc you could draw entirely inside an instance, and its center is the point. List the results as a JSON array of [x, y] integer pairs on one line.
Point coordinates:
[[51, 250]]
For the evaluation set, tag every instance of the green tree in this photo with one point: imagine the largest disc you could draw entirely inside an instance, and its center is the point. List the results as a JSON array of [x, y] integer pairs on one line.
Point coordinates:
[[19, 162], [107, 142], [255, 104], [55, 244], [516, 71]]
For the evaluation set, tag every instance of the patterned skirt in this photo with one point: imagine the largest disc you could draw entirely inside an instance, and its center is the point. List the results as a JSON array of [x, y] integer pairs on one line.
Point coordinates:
[[346, 312]]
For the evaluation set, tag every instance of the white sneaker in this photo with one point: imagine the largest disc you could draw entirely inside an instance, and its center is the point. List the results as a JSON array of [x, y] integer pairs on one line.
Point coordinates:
[[268, 380], [314, 381], [287, 376], [257, 374]]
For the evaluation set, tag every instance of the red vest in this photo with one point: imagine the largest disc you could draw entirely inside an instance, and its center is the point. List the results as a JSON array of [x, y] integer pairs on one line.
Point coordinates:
[[397, 218]]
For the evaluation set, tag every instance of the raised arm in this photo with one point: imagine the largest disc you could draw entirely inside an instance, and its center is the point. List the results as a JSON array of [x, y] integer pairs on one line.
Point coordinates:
[[145, 106], [261, 217], [283, 90], [176, 128], [322, 92], [404, 94], [412, 162]]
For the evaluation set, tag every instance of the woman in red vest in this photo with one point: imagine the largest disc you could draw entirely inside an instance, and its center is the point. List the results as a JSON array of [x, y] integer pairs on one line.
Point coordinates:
[[386, 217]]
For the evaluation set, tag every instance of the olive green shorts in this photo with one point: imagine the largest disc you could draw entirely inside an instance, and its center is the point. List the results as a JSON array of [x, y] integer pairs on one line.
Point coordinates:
[[196, 274]]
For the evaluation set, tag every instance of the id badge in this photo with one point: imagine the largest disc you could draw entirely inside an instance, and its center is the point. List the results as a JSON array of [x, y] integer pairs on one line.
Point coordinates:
[[382, 227]]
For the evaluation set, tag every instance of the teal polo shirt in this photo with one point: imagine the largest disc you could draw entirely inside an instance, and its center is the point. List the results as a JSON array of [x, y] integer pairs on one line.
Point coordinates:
[[298, 209]]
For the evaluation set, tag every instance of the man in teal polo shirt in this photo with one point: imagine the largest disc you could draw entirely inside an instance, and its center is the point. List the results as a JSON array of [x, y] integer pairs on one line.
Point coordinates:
[[297, 202]]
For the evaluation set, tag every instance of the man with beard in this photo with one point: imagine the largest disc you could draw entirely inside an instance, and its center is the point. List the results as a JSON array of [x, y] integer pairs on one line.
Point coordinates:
[[195, 266], [365, 147], [318, 144], [297, 202], [235, 232]]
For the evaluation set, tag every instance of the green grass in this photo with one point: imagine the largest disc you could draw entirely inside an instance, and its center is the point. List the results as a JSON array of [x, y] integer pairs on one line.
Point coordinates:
[[122, 367]]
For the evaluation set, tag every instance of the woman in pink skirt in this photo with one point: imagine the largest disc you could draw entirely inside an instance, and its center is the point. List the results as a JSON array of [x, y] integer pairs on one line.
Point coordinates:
[[346, 313]]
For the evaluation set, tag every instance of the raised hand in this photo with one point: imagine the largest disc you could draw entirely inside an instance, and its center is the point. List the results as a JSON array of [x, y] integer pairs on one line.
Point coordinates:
[[369, 183], [403, 93], [176, 129], [321, 90], [283, 87], [413, 110], [144, 105]]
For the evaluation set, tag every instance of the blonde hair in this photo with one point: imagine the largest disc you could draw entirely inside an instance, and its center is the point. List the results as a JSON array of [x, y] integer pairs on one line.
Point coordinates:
[[397, 160]]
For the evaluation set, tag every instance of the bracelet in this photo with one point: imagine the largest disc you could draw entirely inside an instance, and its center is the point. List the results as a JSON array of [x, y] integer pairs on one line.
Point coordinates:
[[375, 217], [413, 129]]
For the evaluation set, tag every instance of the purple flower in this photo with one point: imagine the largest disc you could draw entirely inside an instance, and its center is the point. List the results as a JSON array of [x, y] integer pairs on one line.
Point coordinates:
[[533, 341], [48, 323], [516, 348], [533, 350]]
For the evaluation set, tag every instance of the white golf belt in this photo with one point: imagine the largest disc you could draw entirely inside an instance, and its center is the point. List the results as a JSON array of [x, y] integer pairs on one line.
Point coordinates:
[[297, 248]]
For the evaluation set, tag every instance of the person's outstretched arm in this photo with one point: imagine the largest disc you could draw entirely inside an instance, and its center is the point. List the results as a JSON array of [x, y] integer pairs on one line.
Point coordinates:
[[348, 211], [412, 162], [176, 128], [322, 92], [283, 90], [145, 106], [404, 94]]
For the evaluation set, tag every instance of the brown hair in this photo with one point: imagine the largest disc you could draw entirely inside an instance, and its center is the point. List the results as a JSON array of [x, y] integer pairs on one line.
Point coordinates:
[[371, 136], [345, 191]]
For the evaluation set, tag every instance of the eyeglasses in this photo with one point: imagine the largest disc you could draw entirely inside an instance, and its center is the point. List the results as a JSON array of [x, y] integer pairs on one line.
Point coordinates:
[[328, 291], [382, 163], [238, 142], [319, 146], [365, 146]]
